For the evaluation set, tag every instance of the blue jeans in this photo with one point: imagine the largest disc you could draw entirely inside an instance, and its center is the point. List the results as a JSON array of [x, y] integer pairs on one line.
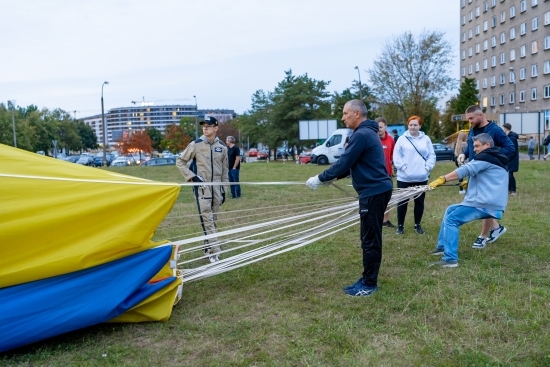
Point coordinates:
[[455, 216], [234, 177]]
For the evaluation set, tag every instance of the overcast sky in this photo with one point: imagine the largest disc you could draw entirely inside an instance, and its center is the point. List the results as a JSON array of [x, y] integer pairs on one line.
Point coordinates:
[[57, 53]]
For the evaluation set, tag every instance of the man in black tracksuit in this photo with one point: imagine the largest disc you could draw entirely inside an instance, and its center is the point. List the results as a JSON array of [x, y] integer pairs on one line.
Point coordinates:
[[364, 159]]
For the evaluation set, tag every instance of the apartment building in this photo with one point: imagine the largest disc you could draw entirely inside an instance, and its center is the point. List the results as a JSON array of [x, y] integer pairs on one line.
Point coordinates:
[[505, 46]]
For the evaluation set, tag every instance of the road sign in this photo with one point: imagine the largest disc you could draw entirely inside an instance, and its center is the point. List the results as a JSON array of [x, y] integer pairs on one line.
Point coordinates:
[[457, 118]]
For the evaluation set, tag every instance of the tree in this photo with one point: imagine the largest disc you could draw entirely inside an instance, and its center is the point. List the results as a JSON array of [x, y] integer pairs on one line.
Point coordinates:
[[411, 71], [87, 135], [339, 100], [156, 137], [176, 138], [457, 105], [138, 140]]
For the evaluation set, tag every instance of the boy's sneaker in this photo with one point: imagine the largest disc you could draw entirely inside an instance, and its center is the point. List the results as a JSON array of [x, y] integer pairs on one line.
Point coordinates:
[[418, 229], [354, 285], [494, 234], [388, 224], [400, 229], [213, 258], [437, 252], [445, 264], [480, 243], [361, 290]]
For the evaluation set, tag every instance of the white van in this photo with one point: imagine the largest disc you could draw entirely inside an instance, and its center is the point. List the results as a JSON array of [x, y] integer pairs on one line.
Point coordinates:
[[331, 150]]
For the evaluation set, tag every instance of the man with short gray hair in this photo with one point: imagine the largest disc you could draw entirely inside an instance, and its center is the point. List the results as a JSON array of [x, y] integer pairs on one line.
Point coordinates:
[[486, 197]]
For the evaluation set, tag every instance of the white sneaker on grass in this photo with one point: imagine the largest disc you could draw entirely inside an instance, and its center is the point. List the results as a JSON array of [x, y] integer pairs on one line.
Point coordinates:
[[480, 243], [494, 234]]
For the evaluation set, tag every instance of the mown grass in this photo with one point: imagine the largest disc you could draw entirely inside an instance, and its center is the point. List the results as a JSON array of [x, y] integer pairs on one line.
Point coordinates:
[[291, 311]]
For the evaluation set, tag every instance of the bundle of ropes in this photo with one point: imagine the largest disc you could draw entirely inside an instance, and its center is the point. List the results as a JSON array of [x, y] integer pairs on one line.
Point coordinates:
[[291, 226]]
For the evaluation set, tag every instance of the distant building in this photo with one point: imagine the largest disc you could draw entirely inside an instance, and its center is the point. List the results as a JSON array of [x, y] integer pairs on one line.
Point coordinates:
[[120, 120]]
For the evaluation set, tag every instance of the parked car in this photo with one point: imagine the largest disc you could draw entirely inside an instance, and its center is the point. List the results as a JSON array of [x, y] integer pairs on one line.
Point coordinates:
[[305, 158], [262, 155], [160, 162], [98, 159], [123, 161], [86, 160], [253, 152], [443, 153], [71, 158], [282, 153]]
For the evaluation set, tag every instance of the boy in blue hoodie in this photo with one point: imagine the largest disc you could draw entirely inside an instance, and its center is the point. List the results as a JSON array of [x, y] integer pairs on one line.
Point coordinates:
[[485, 198], [363, 158]]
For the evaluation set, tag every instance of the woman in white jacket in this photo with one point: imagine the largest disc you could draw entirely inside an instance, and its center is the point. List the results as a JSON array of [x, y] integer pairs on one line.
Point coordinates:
[[414, 158]]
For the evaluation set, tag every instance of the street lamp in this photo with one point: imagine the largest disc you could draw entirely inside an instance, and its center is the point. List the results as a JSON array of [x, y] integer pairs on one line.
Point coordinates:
[[515, 96], [13, 124], [360, 86], [104, 127], [196, 119]]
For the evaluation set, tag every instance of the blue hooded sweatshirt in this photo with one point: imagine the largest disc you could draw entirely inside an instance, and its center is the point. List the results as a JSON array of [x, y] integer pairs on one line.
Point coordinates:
[[364, 158]]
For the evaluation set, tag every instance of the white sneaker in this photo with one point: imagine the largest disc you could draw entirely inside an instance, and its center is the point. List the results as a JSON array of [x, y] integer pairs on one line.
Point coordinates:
[[494, 234], [462, 192]]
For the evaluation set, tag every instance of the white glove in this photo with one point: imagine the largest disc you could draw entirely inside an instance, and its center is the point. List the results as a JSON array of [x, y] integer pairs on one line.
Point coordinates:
[[313, 182], [461, 158]]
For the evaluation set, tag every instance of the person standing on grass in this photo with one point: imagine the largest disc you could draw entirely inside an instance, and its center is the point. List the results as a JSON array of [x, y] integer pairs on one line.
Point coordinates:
[[486, 197], [363, 157], [546, 143], [234, 158], [490, 228], [388, 143], [531, 148], [414, 158], [513, 165], [208, 157]]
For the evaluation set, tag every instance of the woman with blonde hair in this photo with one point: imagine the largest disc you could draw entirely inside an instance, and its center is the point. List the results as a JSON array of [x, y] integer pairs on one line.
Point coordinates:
[[460, 147], [414, 158]]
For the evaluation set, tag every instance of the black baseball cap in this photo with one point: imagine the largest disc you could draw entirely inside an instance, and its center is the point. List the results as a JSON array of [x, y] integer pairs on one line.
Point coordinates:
[[209, 121]]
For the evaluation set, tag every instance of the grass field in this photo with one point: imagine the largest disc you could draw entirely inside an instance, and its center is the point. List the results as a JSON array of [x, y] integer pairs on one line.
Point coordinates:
[[493, 310]]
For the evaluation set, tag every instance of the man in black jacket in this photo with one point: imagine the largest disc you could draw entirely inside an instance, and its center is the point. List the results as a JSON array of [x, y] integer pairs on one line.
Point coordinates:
[[364, 159], [513, 164]]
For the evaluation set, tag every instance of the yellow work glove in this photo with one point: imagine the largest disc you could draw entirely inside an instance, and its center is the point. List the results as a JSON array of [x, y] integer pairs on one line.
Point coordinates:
[[440, 181], [464, 185]]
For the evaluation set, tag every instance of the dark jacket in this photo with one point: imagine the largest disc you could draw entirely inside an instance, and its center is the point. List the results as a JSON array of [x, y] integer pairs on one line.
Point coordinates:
[[513, 165], [364, 158], [499, 137]]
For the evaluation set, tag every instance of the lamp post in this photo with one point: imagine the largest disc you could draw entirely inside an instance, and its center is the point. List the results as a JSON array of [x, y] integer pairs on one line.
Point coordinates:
[[515, 96], [360, 86], [104, 127], [196, 119], [13, 124]]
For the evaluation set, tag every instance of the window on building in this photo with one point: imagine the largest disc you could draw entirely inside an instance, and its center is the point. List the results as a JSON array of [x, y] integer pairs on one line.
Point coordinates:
[[523, 6], [522, 95], [463, 54], [463, 37], [463, 20], [477, 67], [493, 61], [492, 101], [534, 70], [546, 89], [512, 54], [502, 79], [533, 94], [485, 45], [485, 6], [470, 51], [463, 71], [534, 2], [503, 37], [547, 18], [485, 64], [493, 81], [522, 51], [546, 42], [546, 68], [512, 33], [484, 83], [477, 29], [535, 23], [463, 3], [534, 47], [522, 74], [470, 69], [478, 48], [493, 3], [523, 28], [493, 22], [477, 11], [547, 119], [502, 58], [485, 26], [470, 16], [494, 41], [501, 99], [512, 76], [470, 33], [512, 11], [477, 84], [502, 16], [512, 98]]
